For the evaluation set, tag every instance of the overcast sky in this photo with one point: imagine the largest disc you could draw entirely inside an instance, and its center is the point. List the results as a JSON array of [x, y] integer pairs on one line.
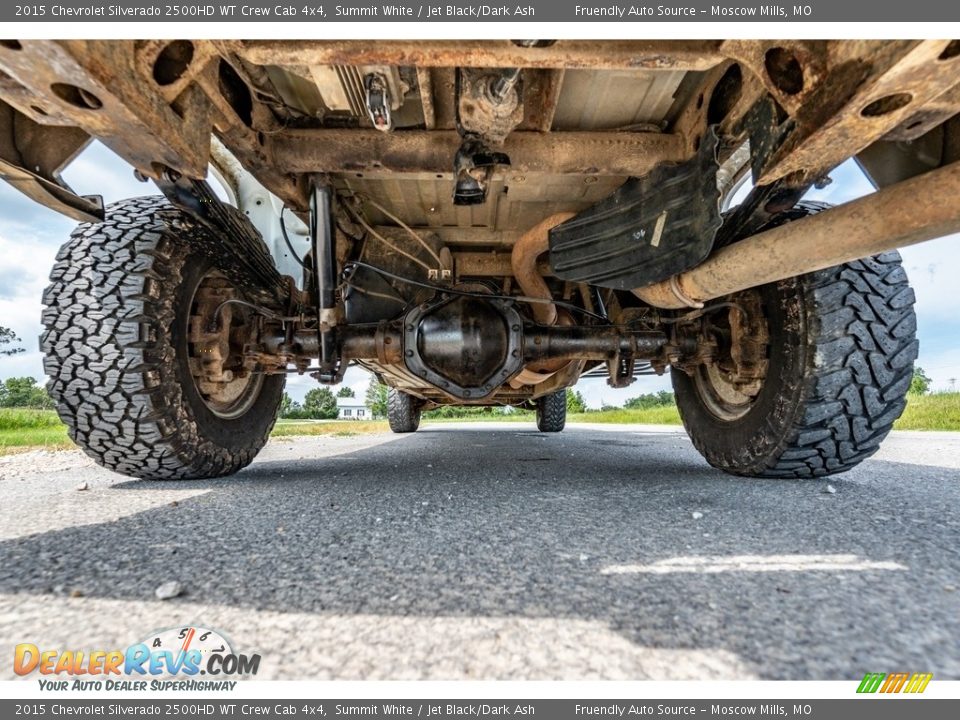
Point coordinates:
[[30, 236]]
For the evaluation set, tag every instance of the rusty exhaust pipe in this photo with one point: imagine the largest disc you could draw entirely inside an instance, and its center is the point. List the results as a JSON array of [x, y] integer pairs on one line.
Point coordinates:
[[523, 260], [913, 211], [531, 245]]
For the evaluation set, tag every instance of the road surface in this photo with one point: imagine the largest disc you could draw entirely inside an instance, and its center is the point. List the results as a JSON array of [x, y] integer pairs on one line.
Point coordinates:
[[496, 552]]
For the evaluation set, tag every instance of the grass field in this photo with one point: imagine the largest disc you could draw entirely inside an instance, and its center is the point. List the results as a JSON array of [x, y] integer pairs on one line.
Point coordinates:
[[21, 429], [663, 415], [339, 428], [938, 411]]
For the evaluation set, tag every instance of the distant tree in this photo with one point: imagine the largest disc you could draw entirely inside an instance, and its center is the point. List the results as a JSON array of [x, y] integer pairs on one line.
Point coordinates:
[[346, 392], [294, 411], [23, 392], [376, 399], [575, 402], [919, 383], [8, 337], [287, 405], [320, 404], [650, 400]]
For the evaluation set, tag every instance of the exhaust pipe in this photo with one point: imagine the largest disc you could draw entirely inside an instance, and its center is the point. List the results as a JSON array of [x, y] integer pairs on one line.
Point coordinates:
[[531, 245], [523, 260], [913, 211]]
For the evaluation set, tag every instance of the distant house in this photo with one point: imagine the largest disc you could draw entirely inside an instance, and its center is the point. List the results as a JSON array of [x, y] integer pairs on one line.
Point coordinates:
[[351, 409]]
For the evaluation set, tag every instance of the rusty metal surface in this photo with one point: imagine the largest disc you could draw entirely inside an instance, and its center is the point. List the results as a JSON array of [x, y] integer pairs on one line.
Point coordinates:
[[32, 157], [909, 212], [648, 54], [542, 89], [96, 85], [516, 201], [612, 99], [531, 245], [484, 114], [346, 151], [867, 91], [828, 100], [491, 264], [425, 85]]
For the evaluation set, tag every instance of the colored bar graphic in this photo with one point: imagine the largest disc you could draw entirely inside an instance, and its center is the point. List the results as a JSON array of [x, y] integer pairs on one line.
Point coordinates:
[[891, 682], [918, 682], [894, 683], [870, 682]]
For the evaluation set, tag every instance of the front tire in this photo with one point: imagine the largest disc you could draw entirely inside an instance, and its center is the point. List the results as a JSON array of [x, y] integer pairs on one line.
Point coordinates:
[[552, 412], [839, 360], [118, 352]]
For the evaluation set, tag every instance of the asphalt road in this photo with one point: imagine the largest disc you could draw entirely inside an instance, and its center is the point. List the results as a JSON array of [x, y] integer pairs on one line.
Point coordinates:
[[496, 552]]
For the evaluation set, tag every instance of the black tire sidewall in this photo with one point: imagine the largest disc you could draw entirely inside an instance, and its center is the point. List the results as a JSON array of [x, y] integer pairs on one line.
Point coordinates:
[[748, 444]]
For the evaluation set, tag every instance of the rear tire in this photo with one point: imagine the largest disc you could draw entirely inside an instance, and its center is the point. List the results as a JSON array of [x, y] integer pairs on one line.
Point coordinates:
[[842, 342], [117, 352], [403, 411], [552, 412]]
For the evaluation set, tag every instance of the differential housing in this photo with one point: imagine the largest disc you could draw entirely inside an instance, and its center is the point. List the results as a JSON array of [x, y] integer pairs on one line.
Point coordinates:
[[467, 346]]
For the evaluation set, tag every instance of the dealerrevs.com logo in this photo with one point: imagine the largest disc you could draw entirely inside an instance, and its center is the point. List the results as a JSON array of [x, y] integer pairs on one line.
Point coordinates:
[[172, 659]]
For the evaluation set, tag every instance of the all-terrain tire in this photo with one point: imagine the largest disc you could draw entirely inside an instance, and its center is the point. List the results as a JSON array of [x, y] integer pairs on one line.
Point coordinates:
[[552, 412], [842, 342], [403, 411], [115, 346]]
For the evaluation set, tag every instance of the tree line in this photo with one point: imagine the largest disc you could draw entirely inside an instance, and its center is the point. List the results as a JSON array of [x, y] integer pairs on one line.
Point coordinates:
[[318, 404]]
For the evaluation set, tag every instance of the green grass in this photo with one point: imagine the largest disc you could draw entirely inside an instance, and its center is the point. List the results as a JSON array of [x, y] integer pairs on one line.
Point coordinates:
[[342, 428], [22, 429], [937, 411], [518, 416], [661, 415]]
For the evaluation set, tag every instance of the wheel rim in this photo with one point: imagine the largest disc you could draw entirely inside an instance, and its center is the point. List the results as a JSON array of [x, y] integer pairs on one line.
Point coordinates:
[[216, 334], [720, 395], [729, 384]]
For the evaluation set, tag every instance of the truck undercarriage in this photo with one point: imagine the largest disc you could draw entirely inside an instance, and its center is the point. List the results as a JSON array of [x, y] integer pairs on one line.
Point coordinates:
[[484, 223]]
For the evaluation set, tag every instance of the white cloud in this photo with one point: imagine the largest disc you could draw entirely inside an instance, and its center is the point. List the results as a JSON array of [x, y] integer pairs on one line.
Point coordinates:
[[99, 171], [23, 277], [933, 268]]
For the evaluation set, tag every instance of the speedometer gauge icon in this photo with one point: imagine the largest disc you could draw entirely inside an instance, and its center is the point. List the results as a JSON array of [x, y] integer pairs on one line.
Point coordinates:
[[180, 640]]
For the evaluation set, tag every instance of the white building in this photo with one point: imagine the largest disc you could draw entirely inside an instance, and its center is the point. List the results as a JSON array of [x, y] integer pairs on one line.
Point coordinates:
[[351, 409]]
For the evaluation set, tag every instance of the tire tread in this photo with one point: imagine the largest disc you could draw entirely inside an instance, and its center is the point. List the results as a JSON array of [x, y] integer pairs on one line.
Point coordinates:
[[552, 412], [403, 411], [860, 347], [108, 353]]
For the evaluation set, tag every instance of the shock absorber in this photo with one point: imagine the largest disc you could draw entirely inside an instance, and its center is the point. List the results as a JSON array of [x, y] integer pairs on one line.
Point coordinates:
[[322, 234]]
